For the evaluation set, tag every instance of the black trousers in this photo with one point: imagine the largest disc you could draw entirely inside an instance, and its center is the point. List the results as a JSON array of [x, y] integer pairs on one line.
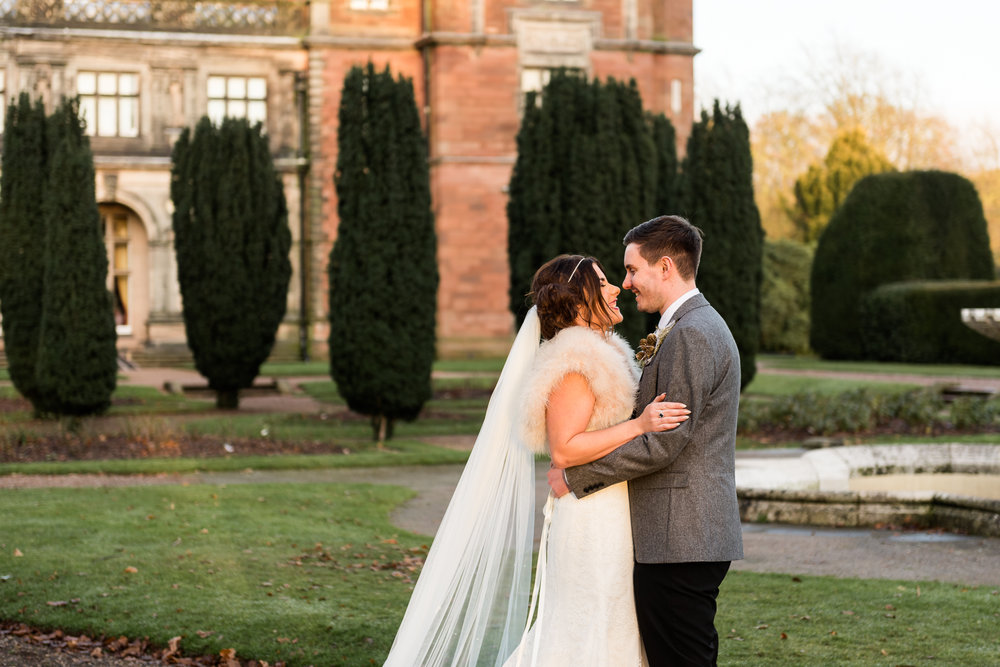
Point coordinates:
[[675, 603]]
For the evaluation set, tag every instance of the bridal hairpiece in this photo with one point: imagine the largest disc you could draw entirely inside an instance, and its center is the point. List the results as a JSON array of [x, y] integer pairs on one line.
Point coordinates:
[[575, 268]]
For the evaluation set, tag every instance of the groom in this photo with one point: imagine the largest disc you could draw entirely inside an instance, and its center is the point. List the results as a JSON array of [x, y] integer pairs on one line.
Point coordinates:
[[682, 487]]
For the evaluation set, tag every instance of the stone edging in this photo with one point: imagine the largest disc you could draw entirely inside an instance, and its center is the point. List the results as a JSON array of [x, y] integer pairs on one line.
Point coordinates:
[[813, 489]]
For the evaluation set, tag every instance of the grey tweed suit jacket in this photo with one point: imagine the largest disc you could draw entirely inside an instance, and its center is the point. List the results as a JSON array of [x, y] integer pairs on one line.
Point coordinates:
[[682, 483]]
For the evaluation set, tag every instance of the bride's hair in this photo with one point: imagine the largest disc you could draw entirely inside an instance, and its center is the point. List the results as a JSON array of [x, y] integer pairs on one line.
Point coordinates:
[[566, 287]]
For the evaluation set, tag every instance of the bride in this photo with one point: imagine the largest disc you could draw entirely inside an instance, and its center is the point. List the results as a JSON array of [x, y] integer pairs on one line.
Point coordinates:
[[572, 396]]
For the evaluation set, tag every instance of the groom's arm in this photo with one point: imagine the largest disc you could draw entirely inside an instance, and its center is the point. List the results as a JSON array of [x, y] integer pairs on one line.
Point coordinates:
[[686, 371]]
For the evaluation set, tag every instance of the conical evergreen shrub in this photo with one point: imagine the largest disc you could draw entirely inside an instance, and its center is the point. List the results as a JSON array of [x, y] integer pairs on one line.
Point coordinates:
[[667, 197], [77, 363], [22, 239], [383, 266], [586, 173], [717, 191], [232, 242]]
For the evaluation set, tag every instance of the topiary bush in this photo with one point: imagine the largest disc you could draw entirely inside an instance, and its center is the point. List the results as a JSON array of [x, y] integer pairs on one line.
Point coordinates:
[[784, 297], [716, 186], [918, 225], [383, 267], [232, 242], [23, 180], [77, 364], [590, 166], [921, 322]]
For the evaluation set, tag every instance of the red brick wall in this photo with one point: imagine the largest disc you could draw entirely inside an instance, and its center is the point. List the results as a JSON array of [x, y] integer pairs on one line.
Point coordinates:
[[472, 126], [402, 19], [653, 73], [474, 121]]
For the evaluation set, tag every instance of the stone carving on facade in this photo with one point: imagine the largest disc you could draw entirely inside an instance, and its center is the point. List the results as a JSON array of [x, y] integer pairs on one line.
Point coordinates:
[[553, 39]]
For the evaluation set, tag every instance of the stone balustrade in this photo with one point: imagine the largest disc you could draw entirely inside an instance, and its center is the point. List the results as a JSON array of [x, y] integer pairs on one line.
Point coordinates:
[[269, 17]]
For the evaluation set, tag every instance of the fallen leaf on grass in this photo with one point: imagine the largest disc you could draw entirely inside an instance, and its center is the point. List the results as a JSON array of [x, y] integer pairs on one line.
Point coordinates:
[[784, 636], [204, 633], [17, 553], [57, 603], [131, 570]]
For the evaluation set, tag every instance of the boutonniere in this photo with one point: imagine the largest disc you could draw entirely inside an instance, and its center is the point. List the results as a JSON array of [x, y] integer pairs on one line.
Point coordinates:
[[649, 345]]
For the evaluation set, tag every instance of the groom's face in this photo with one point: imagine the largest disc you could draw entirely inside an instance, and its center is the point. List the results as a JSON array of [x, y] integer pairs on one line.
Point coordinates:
[[645, 280]]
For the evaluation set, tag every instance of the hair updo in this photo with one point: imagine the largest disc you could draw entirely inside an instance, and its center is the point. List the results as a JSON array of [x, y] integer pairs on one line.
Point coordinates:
[[565, 288]]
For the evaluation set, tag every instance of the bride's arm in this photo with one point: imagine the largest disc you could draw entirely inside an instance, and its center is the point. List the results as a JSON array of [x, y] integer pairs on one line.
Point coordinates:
[[570, 407]]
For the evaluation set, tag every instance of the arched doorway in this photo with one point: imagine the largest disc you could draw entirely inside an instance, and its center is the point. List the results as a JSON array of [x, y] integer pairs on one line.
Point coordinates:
[[128, 272]]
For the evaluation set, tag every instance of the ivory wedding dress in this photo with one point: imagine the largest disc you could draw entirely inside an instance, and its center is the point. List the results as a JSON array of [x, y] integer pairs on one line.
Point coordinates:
[[586, 612], [471, 601]]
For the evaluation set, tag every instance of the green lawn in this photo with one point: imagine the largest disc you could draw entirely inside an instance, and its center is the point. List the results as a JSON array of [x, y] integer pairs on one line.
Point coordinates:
[[295, 369], [314, 574], [396, 453], [772, 619], [816, 364]]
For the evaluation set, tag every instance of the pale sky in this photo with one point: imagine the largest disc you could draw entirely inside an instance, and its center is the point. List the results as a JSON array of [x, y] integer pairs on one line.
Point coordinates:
[[950, 47]]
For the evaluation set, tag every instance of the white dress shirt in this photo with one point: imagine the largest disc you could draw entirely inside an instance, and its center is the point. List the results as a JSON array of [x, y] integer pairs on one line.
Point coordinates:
[[668, 315]]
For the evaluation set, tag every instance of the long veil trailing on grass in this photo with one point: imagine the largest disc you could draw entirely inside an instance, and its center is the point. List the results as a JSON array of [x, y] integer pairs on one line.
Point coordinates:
[[471, 600]]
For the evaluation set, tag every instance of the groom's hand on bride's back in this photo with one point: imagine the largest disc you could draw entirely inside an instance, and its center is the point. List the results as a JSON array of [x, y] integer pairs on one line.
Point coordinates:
[[557, 482]]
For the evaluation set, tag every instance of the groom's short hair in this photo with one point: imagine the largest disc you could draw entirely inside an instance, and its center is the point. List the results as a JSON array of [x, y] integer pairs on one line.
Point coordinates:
[[671, 236]]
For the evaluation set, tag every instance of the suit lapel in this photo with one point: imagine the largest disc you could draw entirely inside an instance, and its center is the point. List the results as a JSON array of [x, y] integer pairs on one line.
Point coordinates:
[[649, 381]]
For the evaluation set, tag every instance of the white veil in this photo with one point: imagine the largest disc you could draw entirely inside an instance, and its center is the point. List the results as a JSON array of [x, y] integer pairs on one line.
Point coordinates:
[[470, 602]]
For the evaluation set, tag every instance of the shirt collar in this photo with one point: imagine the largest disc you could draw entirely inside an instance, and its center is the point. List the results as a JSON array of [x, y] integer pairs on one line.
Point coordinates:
[[668, 314]]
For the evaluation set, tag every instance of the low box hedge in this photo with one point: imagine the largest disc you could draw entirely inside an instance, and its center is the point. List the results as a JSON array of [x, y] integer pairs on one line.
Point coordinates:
[[921, 322]]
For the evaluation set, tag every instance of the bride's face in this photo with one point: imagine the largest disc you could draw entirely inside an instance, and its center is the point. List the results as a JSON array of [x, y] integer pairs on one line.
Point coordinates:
[[609, 292]]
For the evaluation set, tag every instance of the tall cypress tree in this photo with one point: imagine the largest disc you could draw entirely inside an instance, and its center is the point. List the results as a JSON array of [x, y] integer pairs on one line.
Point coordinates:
[[717, 191], [585, 174], [667, 198], [232, 242], [383, 266], [22, 239], [77, 363]]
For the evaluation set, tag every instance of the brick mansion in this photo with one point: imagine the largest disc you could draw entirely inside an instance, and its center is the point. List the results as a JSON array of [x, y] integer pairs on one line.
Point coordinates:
[[146, 69]]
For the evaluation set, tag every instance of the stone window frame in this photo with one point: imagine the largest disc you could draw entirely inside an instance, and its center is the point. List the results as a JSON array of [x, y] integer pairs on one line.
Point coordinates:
[[368, 5], [236, 90], [107, 93]]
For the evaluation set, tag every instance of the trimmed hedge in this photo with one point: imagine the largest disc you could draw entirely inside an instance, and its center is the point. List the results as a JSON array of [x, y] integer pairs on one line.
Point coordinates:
[[921, 322], [918, 225], [918, 411]]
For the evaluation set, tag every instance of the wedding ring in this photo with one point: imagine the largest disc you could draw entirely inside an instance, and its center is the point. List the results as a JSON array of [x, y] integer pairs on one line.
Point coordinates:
[[661, 415]]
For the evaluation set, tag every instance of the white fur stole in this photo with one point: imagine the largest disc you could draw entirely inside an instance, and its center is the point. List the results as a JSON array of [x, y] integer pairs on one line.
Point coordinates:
[[606, 362]]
